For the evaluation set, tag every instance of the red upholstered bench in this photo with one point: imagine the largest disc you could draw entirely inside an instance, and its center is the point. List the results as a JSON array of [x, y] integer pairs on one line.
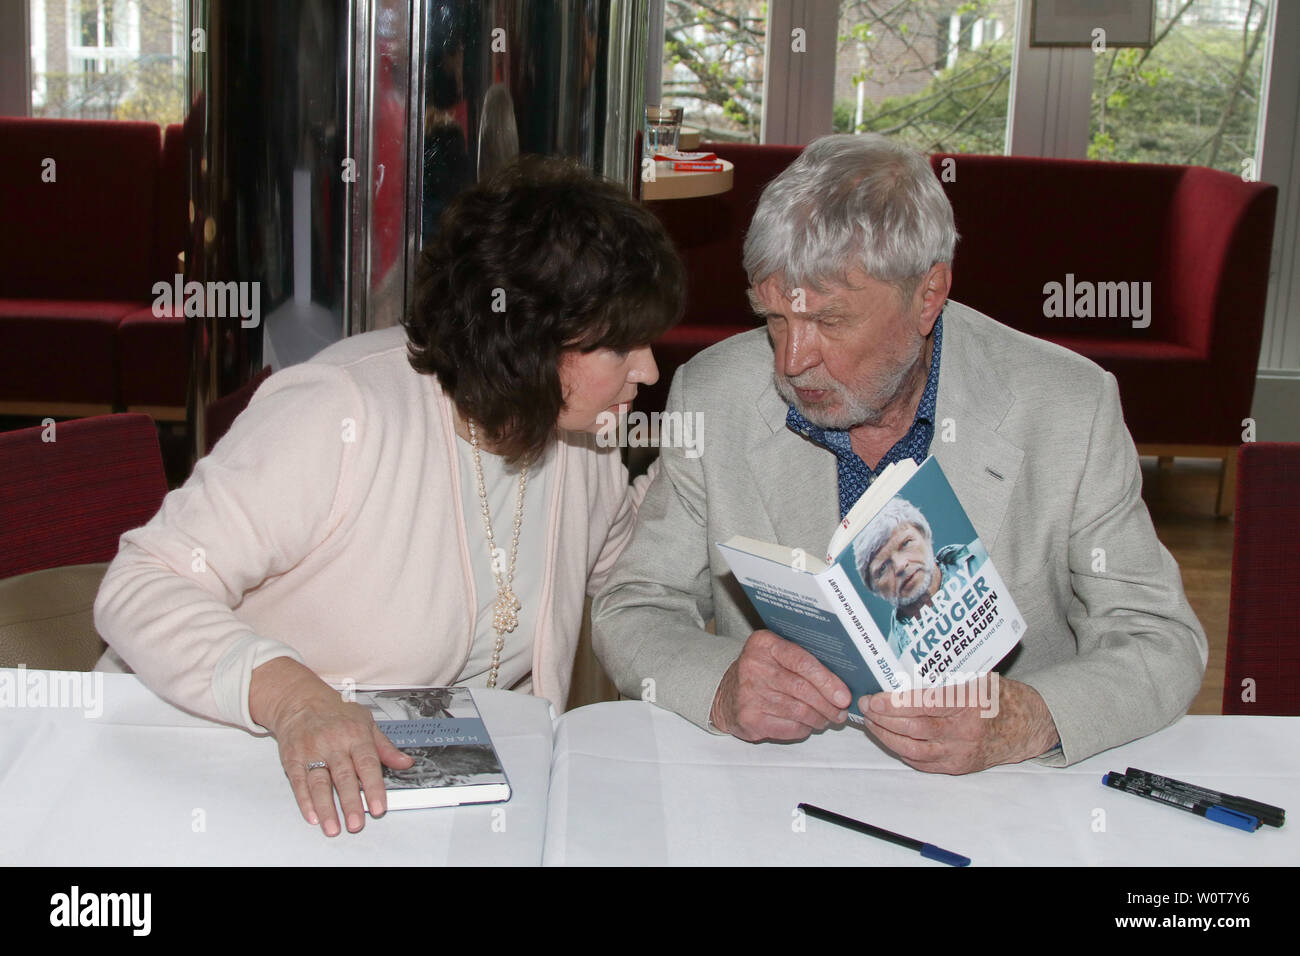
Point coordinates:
[[80, 200], [57, 356], [1200, 237], [153, 355], [89, 236], [153, 364]]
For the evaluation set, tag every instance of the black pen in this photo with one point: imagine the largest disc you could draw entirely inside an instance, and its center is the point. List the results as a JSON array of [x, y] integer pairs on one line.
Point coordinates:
[[1273, 816], [1218, 814], [927, 850]]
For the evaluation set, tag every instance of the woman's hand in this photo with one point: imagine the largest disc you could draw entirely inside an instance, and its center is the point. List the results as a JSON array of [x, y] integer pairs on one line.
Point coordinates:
[[312, 723]]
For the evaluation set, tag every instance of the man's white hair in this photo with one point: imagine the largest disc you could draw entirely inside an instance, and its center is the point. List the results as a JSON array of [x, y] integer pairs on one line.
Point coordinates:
[[851, 201], [881, 528]]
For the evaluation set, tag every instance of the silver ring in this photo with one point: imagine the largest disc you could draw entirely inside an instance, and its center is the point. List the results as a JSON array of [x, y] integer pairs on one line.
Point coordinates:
[[317, 765]]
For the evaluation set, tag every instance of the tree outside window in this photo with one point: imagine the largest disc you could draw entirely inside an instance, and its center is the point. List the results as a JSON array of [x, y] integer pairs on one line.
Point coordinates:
[[108, 59], [713, 66], [1193, 97], [933, 73]]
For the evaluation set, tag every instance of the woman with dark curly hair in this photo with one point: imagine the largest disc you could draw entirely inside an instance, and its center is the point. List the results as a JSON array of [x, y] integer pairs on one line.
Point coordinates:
[[417, 506]]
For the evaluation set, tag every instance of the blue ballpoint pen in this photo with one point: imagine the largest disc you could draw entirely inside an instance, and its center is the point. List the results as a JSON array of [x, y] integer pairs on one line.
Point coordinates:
[[927, 850]]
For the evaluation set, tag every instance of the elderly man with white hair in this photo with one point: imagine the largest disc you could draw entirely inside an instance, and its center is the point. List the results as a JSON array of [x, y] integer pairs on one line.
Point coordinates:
[[865, 361], [897, 561]]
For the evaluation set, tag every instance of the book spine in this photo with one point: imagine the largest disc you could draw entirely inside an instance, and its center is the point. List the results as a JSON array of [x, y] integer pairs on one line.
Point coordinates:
[[857, 623], [686, 157]]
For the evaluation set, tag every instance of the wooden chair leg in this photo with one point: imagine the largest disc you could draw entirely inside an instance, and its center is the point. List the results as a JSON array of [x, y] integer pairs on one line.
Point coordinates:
[[1227, 484]]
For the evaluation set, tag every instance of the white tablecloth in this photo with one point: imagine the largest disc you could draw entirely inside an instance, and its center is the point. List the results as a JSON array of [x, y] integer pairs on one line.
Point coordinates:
[[629, 783], [128, 787], [634, 784]]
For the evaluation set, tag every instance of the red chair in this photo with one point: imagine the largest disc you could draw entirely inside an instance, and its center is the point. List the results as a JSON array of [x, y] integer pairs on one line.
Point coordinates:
[[153, 350], [68, 501], [1201, 238], [1264, 615], [78, 252]]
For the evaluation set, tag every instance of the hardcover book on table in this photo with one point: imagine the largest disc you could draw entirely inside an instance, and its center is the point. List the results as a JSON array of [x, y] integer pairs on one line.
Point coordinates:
[[455, 762], [907, 596]]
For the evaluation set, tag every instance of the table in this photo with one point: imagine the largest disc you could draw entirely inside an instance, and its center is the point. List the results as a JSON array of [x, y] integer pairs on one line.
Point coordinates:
[[614, 783], [668, 184], [132, 786], [634, 784]]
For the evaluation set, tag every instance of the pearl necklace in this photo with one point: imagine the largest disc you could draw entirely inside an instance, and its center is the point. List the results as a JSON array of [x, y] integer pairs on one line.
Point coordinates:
[[505, 611]]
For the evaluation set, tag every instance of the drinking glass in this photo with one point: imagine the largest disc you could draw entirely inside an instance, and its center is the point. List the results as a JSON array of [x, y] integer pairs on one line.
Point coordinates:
[[663, 126]]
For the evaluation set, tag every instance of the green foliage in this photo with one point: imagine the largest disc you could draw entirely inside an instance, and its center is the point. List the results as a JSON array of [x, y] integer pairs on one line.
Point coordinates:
[[710, 50], [147, 89], [962, 110], [1167, 106], [156, 95], [1102, 146]]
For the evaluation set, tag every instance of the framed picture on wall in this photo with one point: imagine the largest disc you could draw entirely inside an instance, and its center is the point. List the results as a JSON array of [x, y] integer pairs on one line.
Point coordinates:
[[1126, 23]]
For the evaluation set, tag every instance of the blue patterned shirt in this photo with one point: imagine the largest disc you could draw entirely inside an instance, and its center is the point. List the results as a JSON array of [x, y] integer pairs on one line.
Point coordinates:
[[854, 475]]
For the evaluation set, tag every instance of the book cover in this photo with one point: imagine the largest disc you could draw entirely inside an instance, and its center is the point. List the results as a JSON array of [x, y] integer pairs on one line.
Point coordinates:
[[455, 761], [928, 585], [910, 598]]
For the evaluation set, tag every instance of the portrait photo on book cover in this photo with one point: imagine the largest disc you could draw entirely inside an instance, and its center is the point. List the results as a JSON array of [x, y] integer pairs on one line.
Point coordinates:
[[459, 765], [441, 729], [907, 556], [418, 703]]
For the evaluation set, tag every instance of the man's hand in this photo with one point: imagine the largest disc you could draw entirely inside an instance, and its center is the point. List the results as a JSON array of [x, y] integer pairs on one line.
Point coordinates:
[[312, 723], [776, 690], [1014, 726]]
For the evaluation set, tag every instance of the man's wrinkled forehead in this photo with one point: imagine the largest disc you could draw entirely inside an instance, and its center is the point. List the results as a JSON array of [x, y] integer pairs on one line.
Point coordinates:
[[771, 297]]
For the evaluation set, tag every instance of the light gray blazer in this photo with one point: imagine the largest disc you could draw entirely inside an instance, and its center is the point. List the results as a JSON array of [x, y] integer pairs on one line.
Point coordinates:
[[1045, 469]]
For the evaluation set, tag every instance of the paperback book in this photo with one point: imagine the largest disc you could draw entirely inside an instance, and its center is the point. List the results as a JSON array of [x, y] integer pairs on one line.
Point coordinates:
[[455, 761], [906, 597]]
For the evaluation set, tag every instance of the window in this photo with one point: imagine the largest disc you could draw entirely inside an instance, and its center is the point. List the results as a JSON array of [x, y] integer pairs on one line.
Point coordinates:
[[933, 73], [713, 66], [98, 38], [108, 59], [1193, 97]]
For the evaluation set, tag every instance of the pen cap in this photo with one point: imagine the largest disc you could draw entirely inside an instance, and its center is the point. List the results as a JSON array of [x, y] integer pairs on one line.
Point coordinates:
[[931, 852], [1233, 818]]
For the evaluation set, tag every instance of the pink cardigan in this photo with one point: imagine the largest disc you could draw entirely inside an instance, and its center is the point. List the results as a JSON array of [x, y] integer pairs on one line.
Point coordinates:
[[327, 526]]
